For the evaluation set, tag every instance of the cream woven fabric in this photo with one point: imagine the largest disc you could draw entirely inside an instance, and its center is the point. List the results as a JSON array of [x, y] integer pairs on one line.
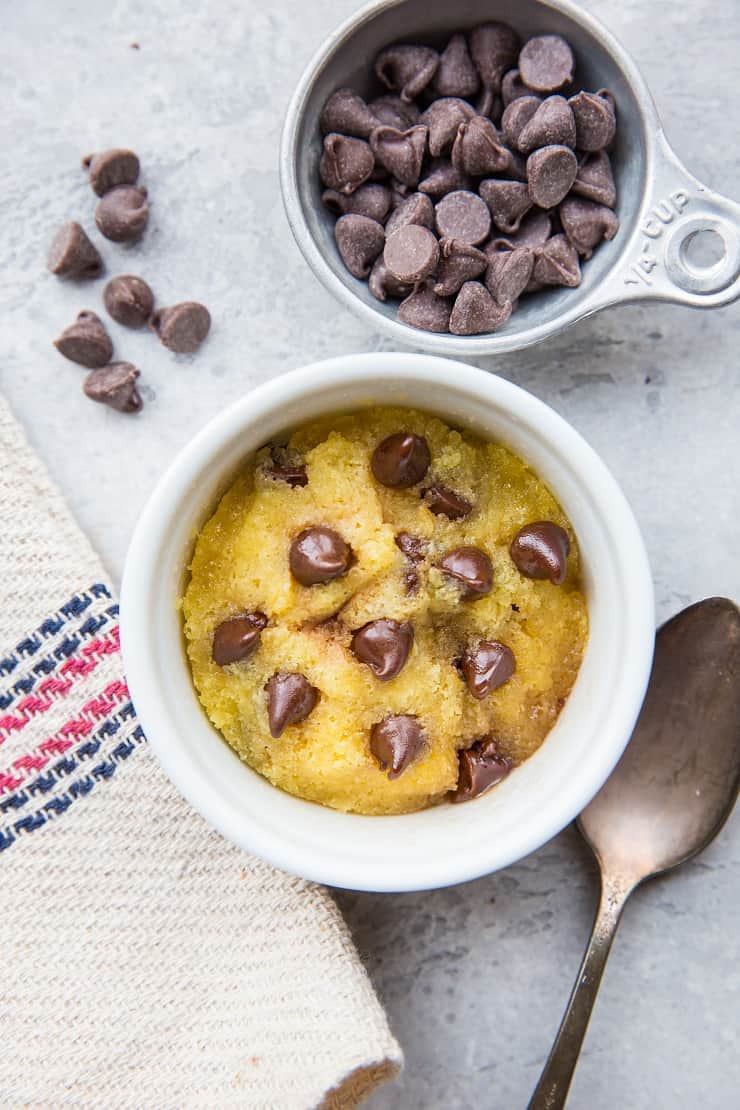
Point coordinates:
[[144, 961]]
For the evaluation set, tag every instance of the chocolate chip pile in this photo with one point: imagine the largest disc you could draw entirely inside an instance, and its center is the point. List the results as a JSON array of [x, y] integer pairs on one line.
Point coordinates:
[[458, 209], [121, 215], [318, 555]]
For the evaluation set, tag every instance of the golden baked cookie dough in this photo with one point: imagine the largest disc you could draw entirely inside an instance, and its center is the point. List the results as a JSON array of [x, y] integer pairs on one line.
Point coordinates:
[[241, 565]]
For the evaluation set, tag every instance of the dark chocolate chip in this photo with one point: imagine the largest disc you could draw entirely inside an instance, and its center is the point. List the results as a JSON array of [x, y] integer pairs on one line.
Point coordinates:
[[182, 327], [540, 550], [546, 63], [416, 208], [486, 667], [114, 385], [443, 501], [401, 152], [319, 555], [401, 460], [345, 163], [586, 223], [508, 202], [72, 255], [383, 284], [481, 767], [442, 178], [129, 300], [424, 309], [472, 568], [462, 215], [460, 262], [475, 312], [122, 214], [456, 75], [442, 118], [371, 199], [509, 271], [595, 180], [493, 48], [237, 638], [478, 148], [396, 742], [394, 112], [413, 547], [512, 87], [516, 117], [346, 112], [290, 699], [551, 171], [411, 253], [556, 263], [594, 119], [534, 230], [384, 646], [552, 123], [86, 341], [111, 168], [360, 241], [407, 69], [286, 467]]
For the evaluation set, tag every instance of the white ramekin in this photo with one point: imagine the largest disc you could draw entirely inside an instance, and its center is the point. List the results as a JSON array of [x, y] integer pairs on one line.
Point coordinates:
[[446, 844]]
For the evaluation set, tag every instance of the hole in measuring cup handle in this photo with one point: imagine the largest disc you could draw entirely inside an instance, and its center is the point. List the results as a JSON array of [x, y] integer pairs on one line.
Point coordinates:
[[710, 279]]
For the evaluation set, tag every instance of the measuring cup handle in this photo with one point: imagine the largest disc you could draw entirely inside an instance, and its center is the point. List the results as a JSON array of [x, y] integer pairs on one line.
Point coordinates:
[[655, 264]]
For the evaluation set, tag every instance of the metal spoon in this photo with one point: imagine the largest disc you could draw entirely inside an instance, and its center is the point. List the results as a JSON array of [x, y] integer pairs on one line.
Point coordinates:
[[666, 800]]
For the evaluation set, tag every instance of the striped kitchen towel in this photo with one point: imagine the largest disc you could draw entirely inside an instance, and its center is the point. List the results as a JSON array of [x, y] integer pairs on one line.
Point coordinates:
[[144, 961]]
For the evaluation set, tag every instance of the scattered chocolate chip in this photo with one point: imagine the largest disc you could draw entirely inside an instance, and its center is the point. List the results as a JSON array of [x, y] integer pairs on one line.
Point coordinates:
[[383, 284], [413, 547], [443, 501], [347, 113], [115, 385], [290, 699], [508, 202], [129, 300], [462, 215], [486, 667], [475, 312], [182, 327], [556, 263], [586, 223], [552, 123], [481, 767], [411, 253], [401, 460], [396, 742], [595, 180], [371, 199], [360, 241], [72, 255], [442, 119], [534, 230], [443, 178], [86, 341], [460, 262], [319, 555], [595, 121], [122, 214], [408, 69], [478, 148], [345, 163], [384, 646], [540, 550], [392, 111], [456, 75], [493, 48], [424, 309], [509, 270], [111, 168], [401, 152], [416, 208], [546, 63], [472, 568], [237, 638], [516, 117], [551, 171], [286, 467], [512, 87]]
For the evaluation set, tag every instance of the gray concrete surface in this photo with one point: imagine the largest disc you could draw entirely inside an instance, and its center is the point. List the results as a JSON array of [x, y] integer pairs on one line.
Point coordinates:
[[475, 978]]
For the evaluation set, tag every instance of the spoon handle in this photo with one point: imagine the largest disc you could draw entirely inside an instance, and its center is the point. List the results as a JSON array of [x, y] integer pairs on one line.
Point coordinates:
[[552, 1089]]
